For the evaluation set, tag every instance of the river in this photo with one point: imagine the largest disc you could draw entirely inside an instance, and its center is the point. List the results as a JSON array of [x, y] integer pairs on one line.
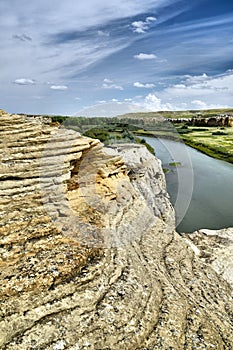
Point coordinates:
[[200, 187]]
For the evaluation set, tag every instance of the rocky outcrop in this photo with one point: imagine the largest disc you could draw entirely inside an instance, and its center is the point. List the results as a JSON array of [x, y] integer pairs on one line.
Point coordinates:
[[89, 256], [213, 121], [217, 121], [215, 248]]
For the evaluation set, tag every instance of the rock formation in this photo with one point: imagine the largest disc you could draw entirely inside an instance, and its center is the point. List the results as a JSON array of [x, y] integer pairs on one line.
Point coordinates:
[[215, 247], [217, 121], [89, 254]]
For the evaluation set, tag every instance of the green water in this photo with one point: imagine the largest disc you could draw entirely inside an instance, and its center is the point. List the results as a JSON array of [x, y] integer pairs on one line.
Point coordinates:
[[200, 188]]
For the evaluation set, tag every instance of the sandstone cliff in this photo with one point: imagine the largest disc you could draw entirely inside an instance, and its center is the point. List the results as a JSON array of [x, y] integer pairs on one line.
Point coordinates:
[[217, 121], [89, 256]]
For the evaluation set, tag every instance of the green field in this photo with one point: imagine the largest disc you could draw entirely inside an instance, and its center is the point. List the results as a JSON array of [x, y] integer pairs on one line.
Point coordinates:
[[216, 142]]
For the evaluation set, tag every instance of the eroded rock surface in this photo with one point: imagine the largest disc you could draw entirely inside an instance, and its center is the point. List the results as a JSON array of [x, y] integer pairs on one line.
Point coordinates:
[[215, 248], [90, 258]]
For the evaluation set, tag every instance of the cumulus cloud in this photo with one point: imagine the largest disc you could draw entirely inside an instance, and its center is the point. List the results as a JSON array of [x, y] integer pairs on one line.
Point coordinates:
[[141, 27], [137, 84], [194, 92], [108, 81], [151, 19], [154, 103], [196, 78], [59, 87], [24, 81], [204, 84], [112, 86], [109, 84], [145, 56], [198, 104]]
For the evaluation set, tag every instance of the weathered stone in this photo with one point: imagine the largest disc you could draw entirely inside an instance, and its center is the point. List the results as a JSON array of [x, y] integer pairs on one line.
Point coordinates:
[[89, 255], [215, 247]]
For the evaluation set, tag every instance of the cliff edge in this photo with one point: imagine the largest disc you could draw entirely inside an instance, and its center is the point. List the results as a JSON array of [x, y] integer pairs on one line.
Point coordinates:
[[89, 255]]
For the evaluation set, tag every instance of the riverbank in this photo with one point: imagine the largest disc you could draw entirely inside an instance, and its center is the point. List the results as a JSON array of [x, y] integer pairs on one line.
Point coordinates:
[[209, 151], [214, 141], [198, 186]]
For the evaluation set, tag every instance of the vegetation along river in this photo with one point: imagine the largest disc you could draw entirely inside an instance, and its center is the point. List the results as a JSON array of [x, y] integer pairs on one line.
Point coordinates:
[[200, 187]]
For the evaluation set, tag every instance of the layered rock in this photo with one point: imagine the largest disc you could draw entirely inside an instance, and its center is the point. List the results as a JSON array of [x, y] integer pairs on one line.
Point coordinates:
[[89, 256], [217, 121], [215, 248]]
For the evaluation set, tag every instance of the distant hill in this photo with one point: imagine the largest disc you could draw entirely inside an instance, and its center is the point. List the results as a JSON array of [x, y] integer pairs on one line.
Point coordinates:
[[177, 114]]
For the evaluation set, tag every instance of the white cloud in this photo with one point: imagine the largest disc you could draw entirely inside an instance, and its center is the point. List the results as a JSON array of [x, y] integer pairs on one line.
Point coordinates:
[[141, 27], [110, 109], [59, 87], [154, 103], [196, 78], [179, 86], [56, 57], [145, 56], [198, 104], [102, 33], [24, 81], [145, 86], [204, 85], [151, 19], [109, 84], [61, 54], [112, 86], [195, 92]]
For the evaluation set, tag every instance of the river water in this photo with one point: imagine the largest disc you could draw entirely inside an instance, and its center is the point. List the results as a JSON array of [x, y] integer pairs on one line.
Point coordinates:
[[200, 187]]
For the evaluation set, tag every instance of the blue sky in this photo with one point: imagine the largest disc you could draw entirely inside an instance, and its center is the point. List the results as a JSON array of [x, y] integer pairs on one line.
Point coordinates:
[[110, 57]]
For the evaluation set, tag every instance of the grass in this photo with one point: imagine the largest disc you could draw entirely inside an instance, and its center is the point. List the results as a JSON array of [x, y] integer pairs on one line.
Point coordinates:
[[164, 133], [176, 164], [216, 142], [212, 141], [110, 135]]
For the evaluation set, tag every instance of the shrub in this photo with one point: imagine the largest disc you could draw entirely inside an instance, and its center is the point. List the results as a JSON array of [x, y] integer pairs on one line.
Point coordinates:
[[97, 133], [219, 133]]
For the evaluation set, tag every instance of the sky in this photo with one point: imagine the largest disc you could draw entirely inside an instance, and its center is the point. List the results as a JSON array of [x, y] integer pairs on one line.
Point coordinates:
[[104, 58]]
